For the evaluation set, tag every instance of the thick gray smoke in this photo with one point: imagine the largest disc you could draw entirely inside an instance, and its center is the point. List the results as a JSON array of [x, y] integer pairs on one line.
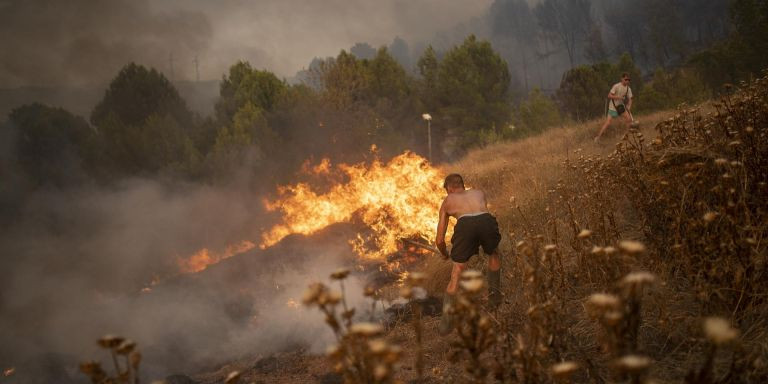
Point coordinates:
[[77, 42], [50, 42], [74, 265]]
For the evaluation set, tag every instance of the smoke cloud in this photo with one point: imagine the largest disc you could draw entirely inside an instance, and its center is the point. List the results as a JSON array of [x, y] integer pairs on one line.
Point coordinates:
[[75, 263], [49, 42]]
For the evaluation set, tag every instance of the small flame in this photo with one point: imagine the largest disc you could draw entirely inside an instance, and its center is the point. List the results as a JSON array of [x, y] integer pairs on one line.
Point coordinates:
[[8, 372], [397, 199], [204, 257]]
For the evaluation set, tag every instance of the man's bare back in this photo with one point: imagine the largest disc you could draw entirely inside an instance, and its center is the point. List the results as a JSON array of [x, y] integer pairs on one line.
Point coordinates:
[[467, 202]]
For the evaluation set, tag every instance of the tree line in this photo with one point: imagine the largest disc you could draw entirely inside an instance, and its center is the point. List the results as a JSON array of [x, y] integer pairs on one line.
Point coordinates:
[[267, 128]]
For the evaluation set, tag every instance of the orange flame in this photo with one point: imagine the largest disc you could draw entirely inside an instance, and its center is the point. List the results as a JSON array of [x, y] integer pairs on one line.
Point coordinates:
[[204, 257], [397, 199]]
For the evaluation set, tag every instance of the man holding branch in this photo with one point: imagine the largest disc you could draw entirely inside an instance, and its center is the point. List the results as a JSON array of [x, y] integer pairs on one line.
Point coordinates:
[[475, 227]]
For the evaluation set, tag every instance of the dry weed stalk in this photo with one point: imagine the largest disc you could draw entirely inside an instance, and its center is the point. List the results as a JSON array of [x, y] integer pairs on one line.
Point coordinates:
[[361, 354], [473, 326], [127, 373], [413, 292]]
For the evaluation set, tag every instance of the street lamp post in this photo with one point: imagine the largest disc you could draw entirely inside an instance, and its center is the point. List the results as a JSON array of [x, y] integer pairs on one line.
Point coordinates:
[[428, 118]]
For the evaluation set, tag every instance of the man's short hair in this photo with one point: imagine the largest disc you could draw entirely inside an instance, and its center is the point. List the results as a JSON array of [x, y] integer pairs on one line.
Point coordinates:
[[624, 75], [453, 180]]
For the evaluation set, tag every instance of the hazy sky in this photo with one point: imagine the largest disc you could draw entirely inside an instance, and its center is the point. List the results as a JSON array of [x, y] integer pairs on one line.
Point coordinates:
[[47, 42]]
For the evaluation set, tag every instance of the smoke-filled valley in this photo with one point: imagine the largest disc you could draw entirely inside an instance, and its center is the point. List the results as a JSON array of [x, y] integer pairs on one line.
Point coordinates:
[[188, 174]]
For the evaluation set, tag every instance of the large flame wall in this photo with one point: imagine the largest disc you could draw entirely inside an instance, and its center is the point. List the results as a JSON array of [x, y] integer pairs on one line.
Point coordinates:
[[398, 199]]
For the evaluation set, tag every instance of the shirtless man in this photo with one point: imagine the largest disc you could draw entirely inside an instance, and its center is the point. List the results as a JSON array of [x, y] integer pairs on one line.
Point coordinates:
[[475, 227]]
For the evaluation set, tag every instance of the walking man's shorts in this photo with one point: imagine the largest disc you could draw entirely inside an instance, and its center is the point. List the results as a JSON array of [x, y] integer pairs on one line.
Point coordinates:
[[470, 233]]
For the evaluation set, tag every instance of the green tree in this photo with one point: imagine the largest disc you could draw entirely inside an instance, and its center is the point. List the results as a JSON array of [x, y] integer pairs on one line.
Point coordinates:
[[670, 89], [428, 67], [472, 91], [143, 125], [345, 81], [742, 55], [137, 93], [388, 79], [583, 90], [52, 145], [246, 85], [534, 115]]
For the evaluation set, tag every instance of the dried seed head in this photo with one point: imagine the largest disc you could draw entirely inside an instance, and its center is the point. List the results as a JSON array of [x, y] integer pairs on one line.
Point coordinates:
[[633, 363], [709, 217], [406, 292], [126, 347], [609, 250], [90, 368], [471, 274], [334, 351], [380, 372], [613, 318], [564, 370], [232, 378], [603, 301], [340, 274], [719, 330], [585, 233], [110, 341], [597, 250], [332, 298], [416, 278], [721, 161], [312, 293], [638, 279], [631, 247], [472, 286], [135, 358], [378, 346], [366, 329]]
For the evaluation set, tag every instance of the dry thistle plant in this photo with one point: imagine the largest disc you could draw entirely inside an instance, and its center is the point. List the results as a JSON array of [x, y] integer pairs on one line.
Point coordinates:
[[719, 334], [473, 326], [413, 292], [361, 354], [126, 373]]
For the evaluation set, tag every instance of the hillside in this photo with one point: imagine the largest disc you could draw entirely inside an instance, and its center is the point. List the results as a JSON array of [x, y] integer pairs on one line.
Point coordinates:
[[637, 259]]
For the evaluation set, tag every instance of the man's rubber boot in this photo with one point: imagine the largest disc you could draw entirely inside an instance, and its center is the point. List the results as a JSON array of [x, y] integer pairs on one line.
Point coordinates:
[[446, 320], [494, 288]]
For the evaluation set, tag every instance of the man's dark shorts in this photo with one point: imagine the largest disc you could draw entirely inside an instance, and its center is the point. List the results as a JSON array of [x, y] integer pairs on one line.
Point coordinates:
[[470, 233]]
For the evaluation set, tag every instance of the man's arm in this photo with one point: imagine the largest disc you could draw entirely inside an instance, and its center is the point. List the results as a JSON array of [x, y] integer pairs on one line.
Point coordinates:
[[613, 94], [442, 227]]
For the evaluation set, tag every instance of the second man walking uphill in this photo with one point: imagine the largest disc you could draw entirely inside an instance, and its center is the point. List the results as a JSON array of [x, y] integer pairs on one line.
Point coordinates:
[[475, 227], [619, 104]]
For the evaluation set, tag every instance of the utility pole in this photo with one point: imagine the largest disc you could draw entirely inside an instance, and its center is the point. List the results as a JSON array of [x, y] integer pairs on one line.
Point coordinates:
[[197, 70]]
